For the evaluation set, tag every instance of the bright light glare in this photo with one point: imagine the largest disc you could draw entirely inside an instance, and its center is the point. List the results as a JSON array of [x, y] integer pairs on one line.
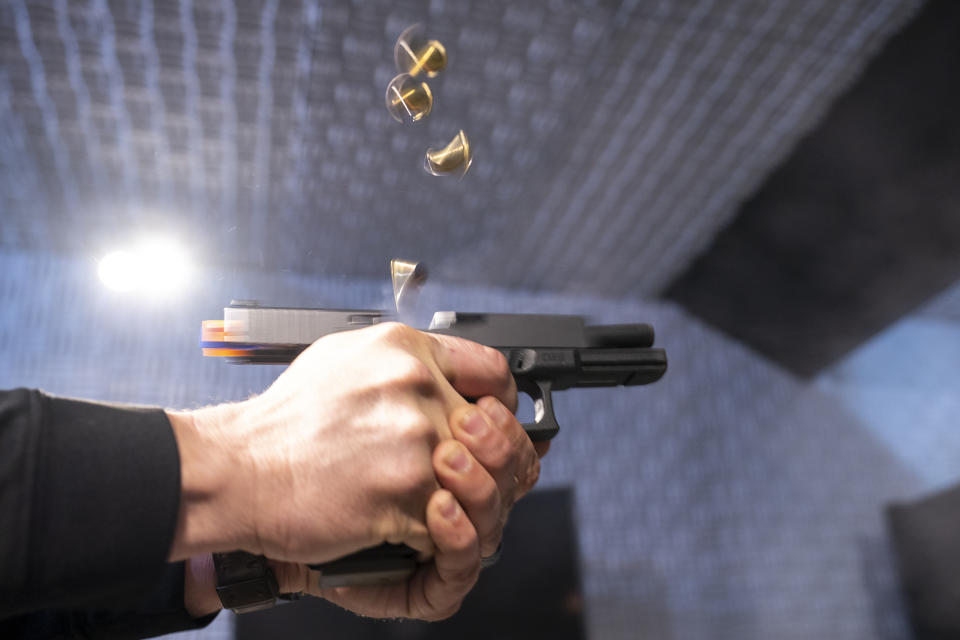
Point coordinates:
[[155, 267], [117, 271]]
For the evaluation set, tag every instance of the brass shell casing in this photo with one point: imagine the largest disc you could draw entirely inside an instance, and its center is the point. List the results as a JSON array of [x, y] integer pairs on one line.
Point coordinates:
[[408, 99], [407, 277], [454, 158], [414, 53]]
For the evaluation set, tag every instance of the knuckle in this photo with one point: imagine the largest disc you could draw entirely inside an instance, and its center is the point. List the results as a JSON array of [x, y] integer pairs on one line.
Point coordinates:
[[508, 391], [413, 373], [498, 452], [492, 541], [418, 428], [532, 475], [490, 497], [392, 329], [462, 544], [407, 478], [398, 333], [388, 526], [500, 365], [462, 578], [418, 480]]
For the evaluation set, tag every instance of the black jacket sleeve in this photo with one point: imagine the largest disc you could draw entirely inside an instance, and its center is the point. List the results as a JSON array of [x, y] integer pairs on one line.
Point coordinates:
[[159, 613], [89, 495]]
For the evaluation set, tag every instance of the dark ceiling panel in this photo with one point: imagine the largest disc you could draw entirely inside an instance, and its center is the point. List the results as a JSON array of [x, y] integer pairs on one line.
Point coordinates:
[[861, 224]]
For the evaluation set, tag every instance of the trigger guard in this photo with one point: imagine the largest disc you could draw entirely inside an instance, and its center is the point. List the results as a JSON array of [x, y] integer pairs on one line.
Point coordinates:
[[545, 425]]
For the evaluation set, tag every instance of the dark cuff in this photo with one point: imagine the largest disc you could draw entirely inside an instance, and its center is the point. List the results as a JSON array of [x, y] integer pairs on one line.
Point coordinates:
[[161, 612], [106, 502]]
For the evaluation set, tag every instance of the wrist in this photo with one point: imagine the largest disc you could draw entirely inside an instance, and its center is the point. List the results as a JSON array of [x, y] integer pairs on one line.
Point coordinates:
[[200, 596], [214, 485], [200, 586], [292, 577]]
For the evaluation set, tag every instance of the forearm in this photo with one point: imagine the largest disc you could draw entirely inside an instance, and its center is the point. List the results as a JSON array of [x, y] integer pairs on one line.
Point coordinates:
[[91, 495]]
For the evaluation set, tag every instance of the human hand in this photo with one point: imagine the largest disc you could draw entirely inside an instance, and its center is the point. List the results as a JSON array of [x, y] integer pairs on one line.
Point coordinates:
[[435, 591], [493, 466], [336, 455], [489, 465], [484, 474]]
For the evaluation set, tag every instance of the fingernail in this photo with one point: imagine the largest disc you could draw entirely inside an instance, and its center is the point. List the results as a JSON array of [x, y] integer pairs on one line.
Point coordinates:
[[457, 461], [474, 423], [494, 409], [449, 508]]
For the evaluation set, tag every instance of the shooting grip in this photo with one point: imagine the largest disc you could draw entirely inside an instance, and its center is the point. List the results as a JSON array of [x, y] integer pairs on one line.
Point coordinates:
[[391, 563], [537, 372], [545, 353]]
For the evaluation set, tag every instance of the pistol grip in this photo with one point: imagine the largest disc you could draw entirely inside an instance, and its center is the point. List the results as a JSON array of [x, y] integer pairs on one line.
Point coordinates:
[[545, 424], [385, 564]]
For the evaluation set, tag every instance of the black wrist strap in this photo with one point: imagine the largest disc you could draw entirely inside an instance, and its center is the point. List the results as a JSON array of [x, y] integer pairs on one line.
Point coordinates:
[[245, 582]]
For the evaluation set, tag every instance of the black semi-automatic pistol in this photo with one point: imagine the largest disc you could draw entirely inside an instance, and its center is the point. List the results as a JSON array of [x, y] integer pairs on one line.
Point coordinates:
[[545, 353]]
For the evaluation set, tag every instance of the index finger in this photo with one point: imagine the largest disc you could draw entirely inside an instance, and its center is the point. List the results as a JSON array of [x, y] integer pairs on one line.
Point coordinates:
[[474, 370]]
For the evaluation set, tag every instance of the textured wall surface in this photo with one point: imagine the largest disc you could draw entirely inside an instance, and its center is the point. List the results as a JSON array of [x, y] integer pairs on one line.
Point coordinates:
[[728, 500], [612, 139], [903, 386]]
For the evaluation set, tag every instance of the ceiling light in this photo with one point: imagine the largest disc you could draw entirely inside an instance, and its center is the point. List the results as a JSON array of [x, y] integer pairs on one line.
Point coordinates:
[[154, 267]]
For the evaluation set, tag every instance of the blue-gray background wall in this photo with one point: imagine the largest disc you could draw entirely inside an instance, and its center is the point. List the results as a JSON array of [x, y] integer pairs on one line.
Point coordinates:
[[728, 500]]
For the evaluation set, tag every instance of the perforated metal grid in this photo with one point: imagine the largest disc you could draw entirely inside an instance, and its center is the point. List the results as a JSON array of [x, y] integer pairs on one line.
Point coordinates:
[[612, 139]]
